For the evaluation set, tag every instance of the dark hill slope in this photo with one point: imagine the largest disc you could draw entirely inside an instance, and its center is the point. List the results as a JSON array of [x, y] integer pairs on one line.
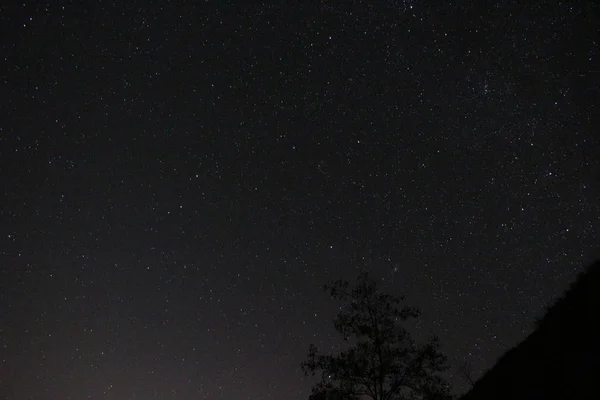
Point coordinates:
[[560, 359]]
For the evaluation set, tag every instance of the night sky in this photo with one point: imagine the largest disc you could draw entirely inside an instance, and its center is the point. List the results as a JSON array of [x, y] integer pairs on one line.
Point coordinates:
[[179, 181]]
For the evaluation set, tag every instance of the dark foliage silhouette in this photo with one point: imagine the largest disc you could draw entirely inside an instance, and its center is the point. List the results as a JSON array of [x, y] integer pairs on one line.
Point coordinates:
[[465, 371], [560, 359], [381, 362]]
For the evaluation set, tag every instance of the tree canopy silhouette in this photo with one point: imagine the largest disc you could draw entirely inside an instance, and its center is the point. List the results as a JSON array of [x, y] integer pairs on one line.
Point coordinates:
[[382, 361]]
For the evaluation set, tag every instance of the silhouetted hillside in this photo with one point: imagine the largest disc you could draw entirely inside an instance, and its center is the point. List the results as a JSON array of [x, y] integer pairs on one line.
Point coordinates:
[[560, 359]]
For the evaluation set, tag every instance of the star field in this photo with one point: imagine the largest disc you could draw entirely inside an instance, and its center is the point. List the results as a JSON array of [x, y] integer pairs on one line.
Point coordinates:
[[180, 180]]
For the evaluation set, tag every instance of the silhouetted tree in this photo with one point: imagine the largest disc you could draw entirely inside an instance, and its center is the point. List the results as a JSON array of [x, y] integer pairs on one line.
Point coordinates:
[[465, 371], [382, 361]]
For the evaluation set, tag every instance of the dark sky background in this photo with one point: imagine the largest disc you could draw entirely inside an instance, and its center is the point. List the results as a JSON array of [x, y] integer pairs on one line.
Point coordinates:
[[178, 181]]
